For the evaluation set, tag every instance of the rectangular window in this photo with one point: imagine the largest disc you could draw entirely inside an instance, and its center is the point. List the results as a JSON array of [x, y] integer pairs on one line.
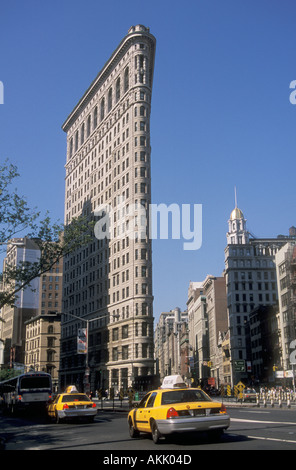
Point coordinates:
[[124, 352], [144, 350], [125, 331], [115, 334]]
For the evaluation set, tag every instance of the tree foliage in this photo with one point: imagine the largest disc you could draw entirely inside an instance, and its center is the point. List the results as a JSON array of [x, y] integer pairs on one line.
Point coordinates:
[[53, 239]]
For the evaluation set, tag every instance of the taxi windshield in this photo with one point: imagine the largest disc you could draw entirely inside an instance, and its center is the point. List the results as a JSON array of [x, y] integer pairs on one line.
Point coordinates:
[[181, 396], [75, 397]]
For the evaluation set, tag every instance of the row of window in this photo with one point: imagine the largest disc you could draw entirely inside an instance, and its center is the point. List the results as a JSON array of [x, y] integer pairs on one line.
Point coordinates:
[[51, 305], [36, 330], [99, 291], [142, 289], [242, 275], [251, 263], [51, 356], [263, 299], [142, 308], [255, 286], [106, 104], [50, 287], [125, 331], [256, 250], [118, 262], [143, 350], [35, 343]]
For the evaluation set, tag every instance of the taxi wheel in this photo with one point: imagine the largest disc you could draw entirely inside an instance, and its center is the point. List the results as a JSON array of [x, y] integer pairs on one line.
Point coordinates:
[[133, 432], [155, 433]]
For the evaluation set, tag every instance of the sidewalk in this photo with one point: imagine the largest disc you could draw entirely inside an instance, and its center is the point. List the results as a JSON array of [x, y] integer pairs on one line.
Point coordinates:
[[124, 405], [233, 403], [113, 405]]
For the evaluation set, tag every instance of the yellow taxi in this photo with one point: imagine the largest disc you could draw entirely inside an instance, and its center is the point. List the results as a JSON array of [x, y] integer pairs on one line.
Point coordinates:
[[175, 408], [71, 404]]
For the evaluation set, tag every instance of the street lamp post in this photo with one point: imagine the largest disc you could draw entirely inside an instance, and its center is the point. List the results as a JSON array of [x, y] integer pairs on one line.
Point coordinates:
[[87, 369]]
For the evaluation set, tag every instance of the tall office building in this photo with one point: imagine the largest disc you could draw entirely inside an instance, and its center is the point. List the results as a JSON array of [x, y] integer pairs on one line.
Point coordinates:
[[207, 317], [286, 283], [167, 339], [250, 274], [24, 306], [108, 284], [42, 297]]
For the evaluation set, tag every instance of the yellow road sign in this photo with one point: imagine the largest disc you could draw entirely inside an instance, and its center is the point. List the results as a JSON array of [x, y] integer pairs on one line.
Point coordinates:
[[240, 386]]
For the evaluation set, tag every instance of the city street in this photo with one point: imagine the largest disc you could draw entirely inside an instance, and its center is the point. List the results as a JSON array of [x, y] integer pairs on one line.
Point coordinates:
[[251, 429]]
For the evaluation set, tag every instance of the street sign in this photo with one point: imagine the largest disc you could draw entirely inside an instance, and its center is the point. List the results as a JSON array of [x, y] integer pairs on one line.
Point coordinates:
[[240, 386], [238, 390], [239, 366]]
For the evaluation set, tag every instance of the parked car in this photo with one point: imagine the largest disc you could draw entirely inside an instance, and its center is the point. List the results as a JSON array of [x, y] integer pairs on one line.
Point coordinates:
[[249, 394]]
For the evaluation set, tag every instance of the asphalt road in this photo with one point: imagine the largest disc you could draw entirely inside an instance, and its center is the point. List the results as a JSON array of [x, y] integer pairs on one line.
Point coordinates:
[[251, 429]]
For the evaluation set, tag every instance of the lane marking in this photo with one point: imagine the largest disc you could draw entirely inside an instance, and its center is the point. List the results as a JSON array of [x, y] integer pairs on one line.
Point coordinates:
[[272, 439], [239, 420]]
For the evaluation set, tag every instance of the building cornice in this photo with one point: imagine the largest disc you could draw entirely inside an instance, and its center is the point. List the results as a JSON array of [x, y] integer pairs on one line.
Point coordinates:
[[132, 37]]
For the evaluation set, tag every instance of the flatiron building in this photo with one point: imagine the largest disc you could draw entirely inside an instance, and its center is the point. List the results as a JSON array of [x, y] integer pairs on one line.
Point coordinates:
[[108, 283]]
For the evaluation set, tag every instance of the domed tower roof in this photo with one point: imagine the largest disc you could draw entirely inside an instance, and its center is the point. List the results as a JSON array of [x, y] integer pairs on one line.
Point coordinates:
[[237, 233], [236, 214]]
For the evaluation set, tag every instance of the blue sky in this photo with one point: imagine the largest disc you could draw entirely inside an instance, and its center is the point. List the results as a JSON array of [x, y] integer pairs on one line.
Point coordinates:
[[221, 115]]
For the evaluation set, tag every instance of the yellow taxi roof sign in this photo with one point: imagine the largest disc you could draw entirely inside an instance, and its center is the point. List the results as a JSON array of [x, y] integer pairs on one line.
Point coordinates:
[[71, 389], [173, 381]]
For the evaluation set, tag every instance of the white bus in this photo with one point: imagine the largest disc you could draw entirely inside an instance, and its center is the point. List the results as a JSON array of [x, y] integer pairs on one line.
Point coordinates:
[[26, 391]]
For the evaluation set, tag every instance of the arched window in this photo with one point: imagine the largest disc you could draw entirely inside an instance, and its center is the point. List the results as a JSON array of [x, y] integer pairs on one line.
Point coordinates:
[[88, 126], [82, 134], [118, 90], [126, 79], [95, 117], [110, 100], [102, 109], [71, 147], [76, 140]]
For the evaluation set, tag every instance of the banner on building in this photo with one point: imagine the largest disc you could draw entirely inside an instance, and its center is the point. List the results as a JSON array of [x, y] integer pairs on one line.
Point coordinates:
[[82, 341]]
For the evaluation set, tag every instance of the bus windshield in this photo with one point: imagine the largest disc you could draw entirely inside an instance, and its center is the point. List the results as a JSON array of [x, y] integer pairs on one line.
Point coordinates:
[[29, 383]]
